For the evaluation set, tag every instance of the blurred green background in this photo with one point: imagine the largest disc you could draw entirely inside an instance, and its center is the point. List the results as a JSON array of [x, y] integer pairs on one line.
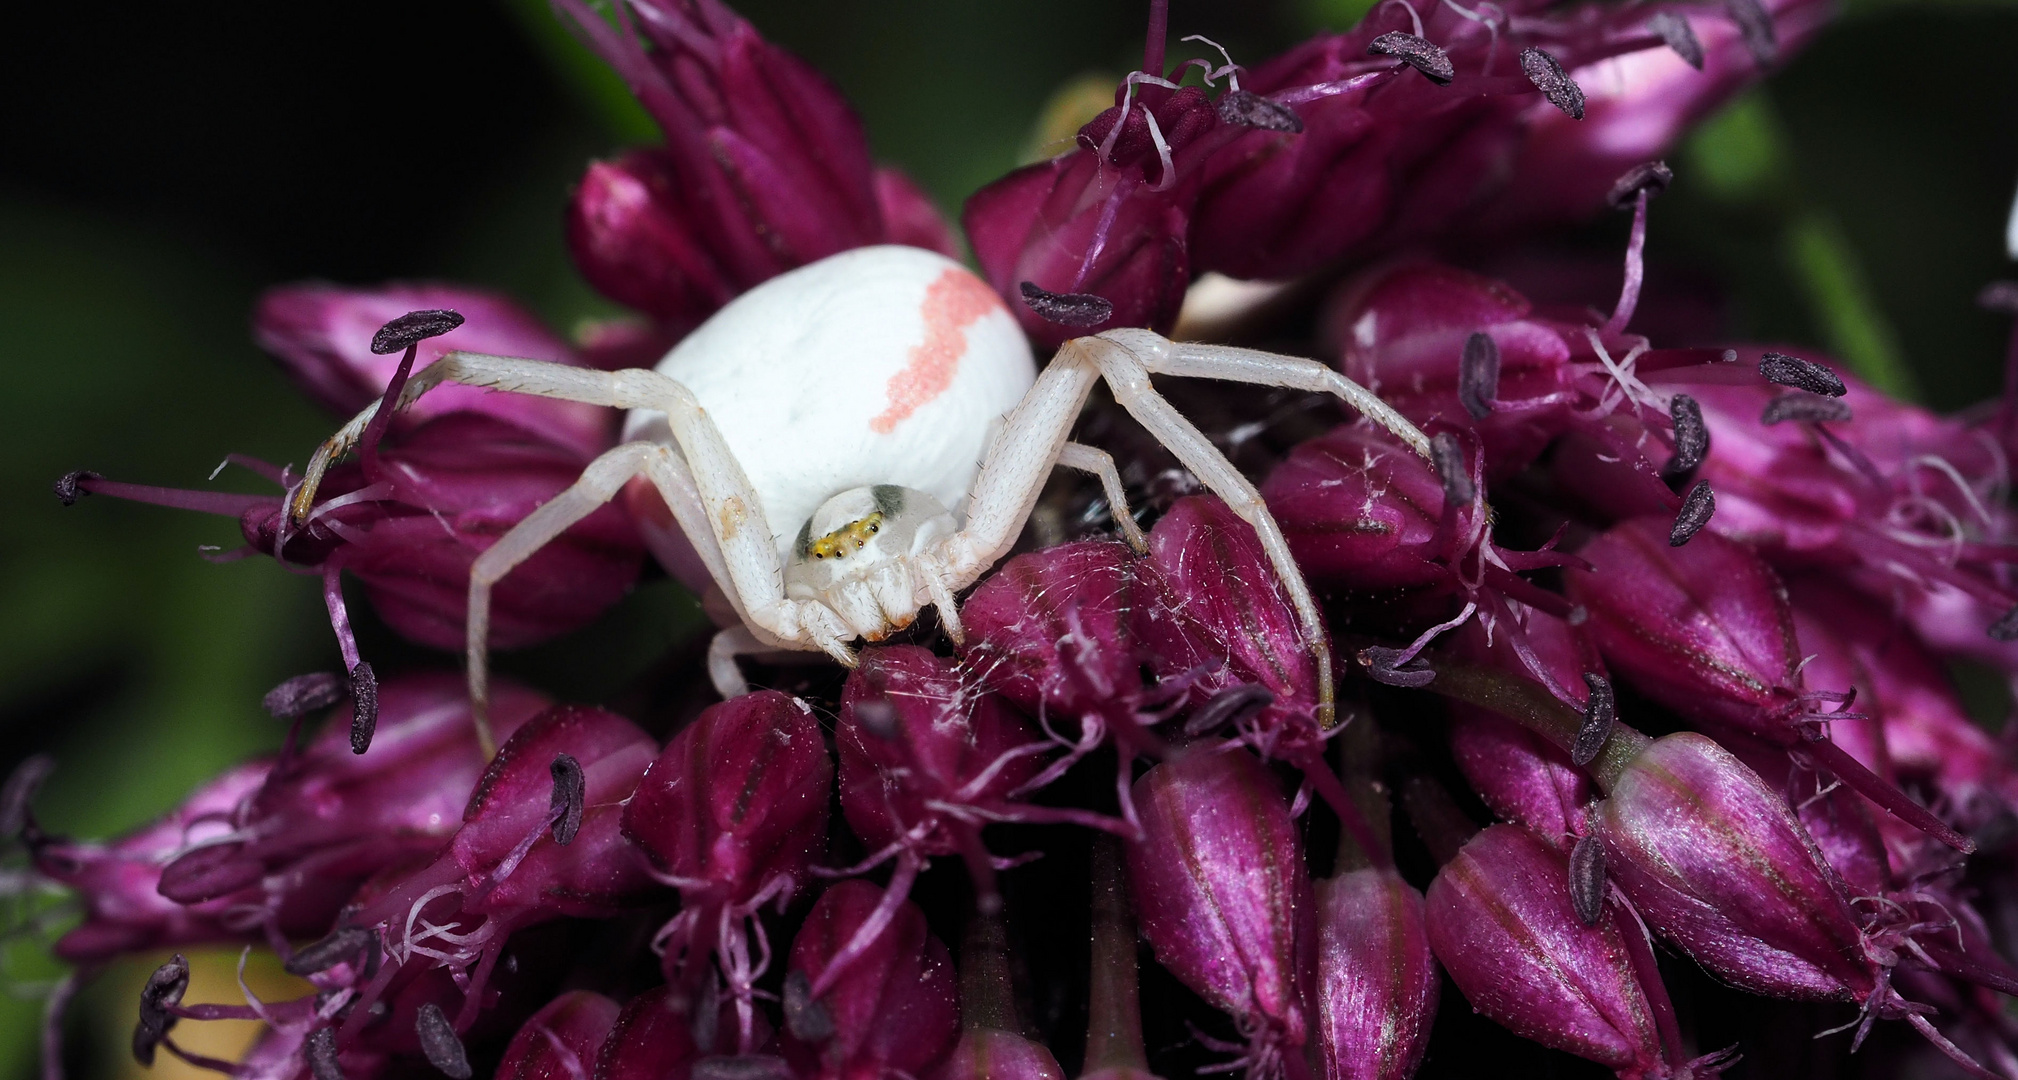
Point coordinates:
[[161, 164]]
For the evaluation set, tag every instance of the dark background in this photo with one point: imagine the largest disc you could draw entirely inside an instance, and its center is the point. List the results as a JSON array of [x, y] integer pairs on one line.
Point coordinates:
[[161, 164]]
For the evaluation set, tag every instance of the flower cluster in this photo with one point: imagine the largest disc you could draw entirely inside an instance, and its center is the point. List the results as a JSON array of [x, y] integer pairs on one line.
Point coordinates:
[[1677, 618]]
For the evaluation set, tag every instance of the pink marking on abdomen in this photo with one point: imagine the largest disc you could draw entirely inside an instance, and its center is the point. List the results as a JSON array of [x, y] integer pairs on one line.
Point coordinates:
[[954, 302]]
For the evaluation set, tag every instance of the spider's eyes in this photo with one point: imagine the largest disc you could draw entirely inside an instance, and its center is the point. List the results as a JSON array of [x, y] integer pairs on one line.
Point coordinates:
[[850, 537]]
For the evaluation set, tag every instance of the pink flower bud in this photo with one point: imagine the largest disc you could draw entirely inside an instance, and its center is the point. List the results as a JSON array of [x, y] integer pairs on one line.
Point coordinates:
[[1100, 233], [1718, 864], [732, 815], [765, 167], [1923, 734], [926, 760], [1361, 511], [652, 1038], [1501, 919], [991, 1054], [893, 1009], [117, 882], [480, 477], [346, 815], [737, 801], [1706, 629], [1376, 979], [1406, 332], [561, 1041], [322, 334], [1223, 896], [1229, 606]]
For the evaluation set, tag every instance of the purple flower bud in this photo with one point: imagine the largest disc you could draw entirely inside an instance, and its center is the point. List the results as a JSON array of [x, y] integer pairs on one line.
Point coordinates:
[[652, 1038], [926, 759], [479, 477], [561, 1041], [910, 217], [1707, 630], [1376, 979], [1523, 777], [1361, 511], [505, 870], [346, 815], [737, 800], [411, 531], [1107, 221], [1637, 107], [1386, 157], [1501, 919], [1719, 866], [1057, 632], [765, 167], [322, 334], [1229, 606], [894, 1009], [1223, 896], [991, 1054], [732, 814], [1919, 730]]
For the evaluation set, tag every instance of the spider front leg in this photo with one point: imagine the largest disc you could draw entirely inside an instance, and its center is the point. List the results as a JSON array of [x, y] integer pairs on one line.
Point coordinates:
[[598, 484], [538, 378], [1127, 374], [1161, 356]]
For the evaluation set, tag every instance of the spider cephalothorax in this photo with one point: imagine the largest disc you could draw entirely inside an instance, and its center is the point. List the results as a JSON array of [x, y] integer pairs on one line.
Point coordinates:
[[859, 439]]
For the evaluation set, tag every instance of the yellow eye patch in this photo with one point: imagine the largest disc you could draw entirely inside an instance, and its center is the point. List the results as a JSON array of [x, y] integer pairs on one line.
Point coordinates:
[[847, 539]]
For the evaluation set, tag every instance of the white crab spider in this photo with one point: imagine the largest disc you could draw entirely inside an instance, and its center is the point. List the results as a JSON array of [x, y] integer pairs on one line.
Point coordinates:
[[882, 405]]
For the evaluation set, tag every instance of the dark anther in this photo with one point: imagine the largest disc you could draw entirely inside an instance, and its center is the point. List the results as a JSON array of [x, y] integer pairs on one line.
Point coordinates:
[[1811, 408], [2006, 628], [163, 992], [1692, 436], [1418, 53], [1801, 374], [1587, 880], [807, 1020], [321, 1053], [70, 486], [1756, 27], [1448, 457], [1383, 666], [2000, 297], [570, 789], [1478, 375], [1652, 177], [413, 328], [1079, 310], [17, 798], [1680, 36], [1698, 507], [1228, 704], [1555, 84], [439, 1042], [363, 707], [1600, 713], [1248, 109], [304, 694], [744, 1067], [344, 943]]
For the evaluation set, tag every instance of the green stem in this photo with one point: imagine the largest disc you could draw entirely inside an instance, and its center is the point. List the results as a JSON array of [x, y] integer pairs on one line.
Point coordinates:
[[1443, 827], [987, 999], [1359, 772], [1114, 1009], [1529, 704]]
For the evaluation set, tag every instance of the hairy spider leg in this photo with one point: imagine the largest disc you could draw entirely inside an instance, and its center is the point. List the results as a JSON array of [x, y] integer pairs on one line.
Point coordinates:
[[735, 541], [1100, 464]]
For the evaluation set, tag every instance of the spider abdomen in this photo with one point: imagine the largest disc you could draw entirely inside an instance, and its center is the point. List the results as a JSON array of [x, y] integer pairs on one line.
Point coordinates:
[[878, 366]]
